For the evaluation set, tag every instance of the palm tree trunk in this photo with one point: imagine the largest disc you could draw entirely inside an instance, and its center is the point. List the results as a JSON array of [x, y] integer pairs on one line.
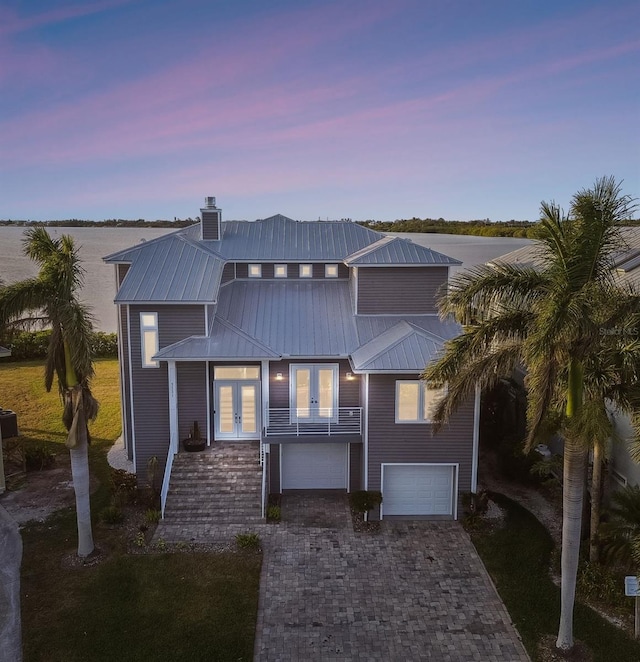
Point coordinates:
[[575, 461], [78, 445], [10, 559], [596, 500]]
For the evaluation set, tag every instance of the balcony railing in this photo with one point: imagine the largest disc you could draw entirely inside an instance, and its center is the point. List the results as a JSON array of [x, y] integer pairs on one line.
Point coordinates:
[[313, 422]]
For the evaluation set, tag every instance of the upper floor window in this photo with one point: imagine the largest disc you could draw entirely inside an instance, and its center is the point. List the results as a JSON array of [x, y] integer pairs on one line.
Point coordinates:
[[255, 271], [280, 271], [415, 401], [330, 270], [149, 338], [306, 271]]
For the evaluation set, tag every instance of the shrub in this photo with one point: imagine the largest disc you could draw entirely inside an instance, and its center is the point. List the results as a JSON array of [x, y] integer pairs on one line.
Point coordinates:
[[111, 515], [273, 513], [596, 582], [248, 541], [38, 458], [124, 487], [362, 501], [152, 516], [33, 344]]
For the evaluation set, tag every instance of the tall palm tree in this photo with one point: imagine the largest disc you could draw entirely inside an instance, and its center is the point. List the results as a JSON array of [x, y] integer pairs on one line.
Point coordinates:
[[559, 320], [51, 299]]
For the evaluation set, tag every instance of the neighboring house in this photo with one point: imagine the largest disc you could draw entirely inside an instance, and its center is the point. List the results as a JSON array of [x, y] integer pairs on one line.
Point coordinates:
[[622, 469], [307, 337]]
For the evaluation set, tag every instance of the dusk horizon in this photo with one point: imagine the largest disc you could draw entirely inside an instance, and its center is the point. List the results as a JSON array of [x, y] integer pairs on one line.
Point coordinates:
[[364, 110]]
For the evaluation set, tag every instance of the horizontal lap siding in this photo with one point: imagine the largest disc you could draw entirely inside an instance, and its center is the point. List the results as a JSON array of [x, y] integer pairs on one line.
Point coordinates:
[[413, 443], [150, 387], [192, 397], [228, 272], [399, 290], [348, 390]]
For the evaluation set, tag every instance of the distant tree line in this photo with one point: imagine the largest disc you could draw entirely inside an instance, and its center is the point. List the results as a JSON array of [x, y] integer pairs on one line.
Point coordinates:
[[483, 228], [109, 223]]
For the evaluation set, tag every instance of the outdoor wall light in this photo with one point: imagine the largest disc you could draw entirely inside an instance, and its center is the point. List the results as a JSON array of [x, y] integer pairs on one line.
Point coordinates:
[[278, 376], [350, 376]]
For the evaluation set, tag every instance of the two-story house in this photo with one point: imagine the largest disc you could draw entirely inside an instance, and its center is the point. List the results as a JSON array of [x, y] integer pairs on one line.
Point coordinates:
[[305, 337]]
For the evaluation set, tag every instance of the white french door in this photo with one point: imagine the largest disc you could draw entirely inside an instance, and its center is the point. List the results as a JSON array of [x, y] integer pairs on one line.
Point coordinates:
[[314, 392], [237, 409]]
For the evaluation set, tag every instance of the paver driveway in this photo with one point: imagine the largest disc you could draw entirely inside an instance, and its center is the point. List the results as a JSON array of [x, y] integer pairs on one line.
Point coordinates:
[[415, 591]]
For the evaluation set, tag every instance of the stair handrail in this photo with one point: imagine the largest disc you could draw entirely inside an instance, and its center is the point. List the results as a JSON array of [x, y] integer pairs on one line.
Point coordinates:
[[165, 481]]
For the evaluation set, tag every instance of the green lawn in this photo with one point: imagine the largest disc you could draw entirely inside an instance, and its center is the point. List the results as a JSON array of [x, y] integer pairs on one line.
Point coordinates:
[[183, 606], [517, 555]]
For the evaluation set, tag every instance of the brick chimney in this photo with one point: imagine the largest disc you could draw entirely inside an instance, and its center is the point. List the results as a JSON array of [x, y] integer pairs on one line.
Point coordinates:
[[211, 224]]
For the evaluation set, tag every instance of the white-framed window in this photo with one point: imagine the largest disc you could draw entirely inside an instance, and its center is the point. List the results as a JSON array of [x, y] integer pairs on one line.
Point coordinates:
[[255, 271], [236, 372], [280, 271], [306, 271], [149, 339], [330, 270], [415, 401]]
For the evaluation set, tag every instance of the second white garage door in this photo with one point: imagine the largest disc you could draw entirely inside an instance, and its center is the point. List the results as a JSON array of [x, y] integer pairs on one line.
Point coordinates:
[[417, 489], [314, 466]]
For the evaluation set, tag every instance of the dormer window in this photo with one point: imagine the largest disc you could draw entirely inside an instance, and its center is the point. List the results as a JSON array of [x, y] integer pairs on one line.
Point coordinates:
[[330, 270], [255, 271], [306, 271], [280, 271]]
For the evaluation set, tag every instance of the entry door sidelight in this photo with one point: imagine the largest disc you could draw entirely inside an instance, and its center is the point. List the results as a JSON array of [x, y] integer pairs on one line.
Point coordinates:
[[314, 392], [237, 409]]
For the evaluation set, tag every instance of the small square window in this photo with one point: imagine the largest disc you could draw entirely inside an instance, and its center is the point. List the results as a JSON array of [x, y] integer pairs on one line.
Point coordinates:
[[306, 271], [330, 270], [255, 271], [280, 271]]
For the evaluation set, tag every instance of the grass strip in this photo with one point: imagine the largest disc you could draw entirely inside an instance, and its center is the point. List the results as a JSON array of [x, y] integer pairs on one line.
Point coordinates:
[[517, 556]]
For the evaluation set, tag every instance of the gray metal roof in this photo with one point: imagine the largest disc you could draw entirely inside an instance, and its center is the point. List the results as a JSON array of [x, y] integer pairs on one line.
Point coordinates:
[[269, 319], [294, 318], [626, 262], [224, 342], [281, 238], [394, 251], [172, 270], [402, 348]]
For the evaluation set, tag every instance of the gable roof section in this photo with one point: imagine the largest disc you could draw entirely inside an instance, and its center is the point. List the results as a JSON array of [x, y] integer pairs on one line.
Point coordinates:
[[394, 251], [281, 238], [172, 270], [225, 342], [404, 347], [4, 352]]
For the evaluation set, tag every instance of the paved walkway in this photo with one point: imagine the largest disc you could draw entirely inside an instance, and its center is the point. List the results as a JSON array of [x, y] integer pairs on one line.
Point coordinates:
[[415, 591]]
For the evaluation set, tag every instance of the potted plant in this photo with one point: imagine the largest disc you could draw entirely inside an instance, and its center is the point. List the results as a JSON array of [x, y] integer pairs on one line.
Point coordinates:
[[194, 442]]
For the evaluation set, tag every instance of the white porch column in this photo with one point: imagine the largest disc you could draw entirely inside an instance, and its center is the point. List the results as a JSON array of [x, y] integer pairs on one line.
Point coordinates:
[[476, 439], [173, 407]]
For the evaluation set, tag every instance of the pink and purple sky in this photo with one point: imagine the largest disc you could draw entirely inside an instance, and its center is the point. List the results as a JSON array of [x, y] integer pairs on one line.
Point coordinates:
[[366, 109]]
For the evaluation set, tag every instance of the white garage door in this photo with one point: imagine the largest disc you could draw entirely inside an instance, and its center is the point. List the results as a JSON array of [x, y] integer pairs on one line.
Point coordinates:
[[414, 489], [314, 466]]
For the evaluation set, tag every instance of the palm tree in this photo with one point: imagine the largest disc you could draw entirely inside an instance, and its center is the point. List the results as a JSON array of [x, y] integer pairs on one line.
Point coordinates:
[[50, 299], [558, 320]]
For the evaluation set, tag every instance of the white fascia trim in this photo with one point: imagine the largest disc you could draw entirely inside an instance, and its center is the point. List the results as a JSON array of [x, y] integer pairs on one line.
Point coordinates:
[[365, 438], [164, 302], [173, 406], [208, 388], [133, 416], [476, 440]]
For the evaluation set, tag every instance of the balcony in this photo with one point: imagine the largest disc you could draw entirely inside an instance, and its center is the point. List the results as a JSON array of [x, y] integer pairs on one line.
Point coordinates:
[[343, 422]]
